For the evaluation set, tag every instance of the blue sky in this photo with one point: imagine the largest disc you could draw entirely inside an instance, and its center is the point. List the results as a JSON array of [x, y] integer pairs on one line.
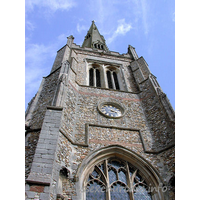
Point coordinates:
[[147, 25]]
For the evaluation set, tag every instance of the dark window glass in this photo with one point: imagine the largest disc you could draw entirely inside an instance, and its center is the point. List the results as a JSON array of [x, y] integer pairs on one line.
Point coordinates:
[[116, 81], [122, 176], [141, 193], [112, 175], [98, 79], [118, 192], [116, 164], [95, 191], [91, 77], [109, 80]]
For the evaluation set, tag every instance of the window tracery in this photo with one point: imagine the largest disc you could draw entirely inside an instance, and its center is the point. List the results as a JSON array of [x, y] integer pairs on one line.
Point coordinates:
[[115, 179]]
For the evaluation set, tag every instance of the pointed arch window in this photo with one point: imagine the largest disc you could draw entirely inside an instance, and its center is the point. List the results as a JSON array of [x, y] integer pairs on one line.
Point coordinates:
[[112, 79], [91, 77], [109, 79], [98, 78], [116, 179], [116, 80], [94, 77], [105, 75]]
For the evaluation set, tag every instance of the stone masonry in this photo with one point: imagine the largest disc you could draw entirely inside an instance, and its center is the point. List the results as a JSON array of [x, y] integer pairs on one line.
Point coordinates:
[[64, 126]]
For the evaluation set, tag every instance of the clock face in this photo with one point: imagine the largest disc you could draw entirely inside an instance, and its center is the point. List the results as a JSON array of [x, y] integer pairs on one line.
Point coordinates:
[[111, 110]]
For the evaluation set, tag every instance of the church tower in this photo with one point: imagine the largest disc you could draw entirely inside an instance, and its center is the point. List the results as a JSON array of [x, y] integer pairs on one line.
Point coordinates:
[[99, 127]]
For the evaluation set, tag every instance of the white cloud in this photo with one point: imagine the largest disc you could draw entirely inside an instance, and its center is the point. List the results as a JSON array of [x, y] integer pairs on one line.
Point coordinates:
[[122, 29], [144, 12], [36, 56], [102, 11], [106, 14], [81, 28], [173, 17], [29, 25], [39, 60], [53, 5]]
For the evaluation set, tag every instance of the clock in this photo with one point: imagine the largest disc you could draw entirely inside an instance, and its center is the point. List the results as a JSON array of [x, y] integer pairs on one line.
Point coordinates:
[[111, 110]]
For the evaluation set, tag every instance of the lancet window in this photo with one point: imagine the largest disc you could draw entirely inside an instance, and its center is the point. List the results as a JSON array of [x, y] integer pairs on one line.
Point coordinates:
[[94, 77], [116, 179], [112, 79], [104, 76]]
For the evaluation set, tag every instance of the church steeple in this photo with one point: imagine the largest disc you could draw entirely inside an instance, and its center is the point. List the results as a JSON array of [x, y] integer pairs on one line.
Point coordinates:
[[94, 39]]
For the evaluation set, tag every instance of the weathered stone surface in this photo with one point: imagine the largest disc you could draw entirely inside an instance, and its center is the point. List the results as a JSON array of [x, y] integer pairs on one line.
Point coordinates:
[[30, 146], [74, 128]]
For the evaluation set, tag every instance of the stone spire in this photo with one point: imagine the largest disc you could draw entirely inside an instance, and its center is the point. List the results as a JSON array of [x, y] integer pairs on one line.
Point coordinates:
[[94, 39]]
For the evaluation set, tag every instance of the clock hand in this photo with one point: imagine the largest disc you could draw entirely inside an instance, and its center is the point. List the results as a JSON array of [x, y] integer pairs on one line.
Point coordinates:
[[113, 110]]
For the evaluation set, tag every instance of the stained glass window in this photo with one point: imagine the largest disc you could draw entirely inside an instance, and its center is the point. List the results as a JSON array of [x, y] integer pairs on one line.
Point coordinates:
[[116, 179]]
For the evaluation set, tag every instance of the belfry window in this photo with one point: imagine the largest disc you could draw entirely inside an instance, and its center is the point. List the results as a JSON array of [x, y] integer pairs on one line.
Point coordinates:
[[94, 77], [98, 79], [116, 80], [116, 179], [98, 46], [112, 79], [91, 76], [104, 75], [110, 85]]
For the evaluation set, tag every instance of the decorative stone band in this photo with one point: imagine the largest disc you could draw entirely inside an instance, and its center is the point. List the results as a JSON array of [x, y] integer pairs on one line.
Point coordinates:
[[88, 141]]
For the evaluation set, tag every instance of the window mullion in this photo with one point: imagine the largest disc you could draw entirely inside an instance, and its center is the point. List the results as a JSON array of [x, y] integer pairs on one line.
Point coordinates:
[[104, 80], [107, 179], [128, 178], [94, 77], [113, 82]]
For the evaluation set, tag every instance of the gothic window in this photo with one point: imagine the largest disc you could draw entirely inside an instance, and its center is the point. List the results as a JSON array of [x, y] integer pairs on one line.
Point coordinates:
[[94, 77], [91, 77], [112, 80], [104, 75], [110, 85], [116, 179], [98, 78], [116, 81]]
